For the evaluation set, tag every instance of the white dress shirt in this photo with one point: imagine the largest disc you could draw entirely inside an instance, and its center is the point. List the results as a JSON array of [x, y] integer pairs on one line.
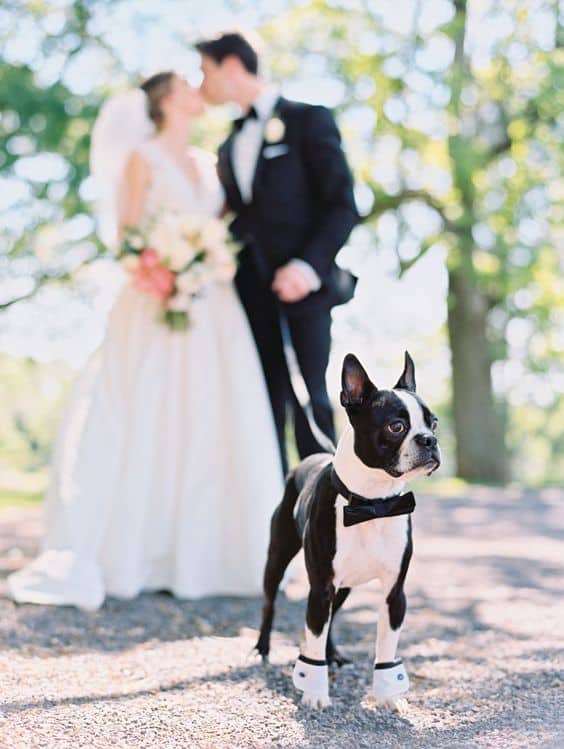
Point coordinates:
[[247, 142], [246, 149]]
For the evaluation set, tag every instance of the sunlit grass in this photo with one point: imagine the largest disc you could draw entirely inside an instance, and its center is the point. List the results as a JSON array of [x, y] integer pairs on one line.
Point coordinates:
[[21, 488], [13, 498]]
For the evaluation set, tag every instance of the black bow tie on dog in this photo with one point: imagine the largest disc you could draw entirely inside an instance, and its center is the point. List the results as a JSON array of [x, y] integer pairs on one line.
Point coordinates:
[[360, 509], [251, 115]]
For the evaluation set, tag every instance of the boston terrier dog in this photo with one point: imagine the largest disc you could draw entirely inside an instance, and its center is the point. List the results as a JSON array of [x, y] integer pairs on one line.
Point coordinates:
[[349, 514]]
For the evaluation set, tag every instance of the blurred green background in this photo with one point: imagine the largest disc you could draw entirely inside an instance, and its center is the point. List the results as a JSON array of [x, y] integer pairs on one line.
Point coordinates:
[[452, 115]]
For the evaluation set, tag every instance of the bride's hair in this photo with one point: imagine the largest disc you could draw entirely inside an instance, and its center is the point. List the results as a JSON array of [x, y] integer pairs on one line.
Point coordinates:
[[156, 87]]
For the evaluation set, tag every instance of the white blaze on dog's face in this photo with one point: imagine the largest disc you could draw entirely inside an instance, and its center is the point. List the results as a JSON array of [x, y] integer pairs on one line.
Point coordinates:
[[419, 453], [393, 429]]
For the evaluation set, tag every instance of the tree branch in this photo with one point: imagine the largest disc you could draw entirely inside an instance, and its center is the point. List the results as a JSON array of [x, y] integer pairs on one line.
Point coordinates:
[[32, 293], [39, 283], [45, 279], [405, 265], [384, 202]]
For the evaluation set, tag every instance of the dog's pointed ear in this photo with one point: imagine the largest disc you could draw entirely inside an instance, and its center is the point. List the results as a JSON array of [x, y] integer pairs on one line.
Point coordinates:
[[356, 384], [407, 379]]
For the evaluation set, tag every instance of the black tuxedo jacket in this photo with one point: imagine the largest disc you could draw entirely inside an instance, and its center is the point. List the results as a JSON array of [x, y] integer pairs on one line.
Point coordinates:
[[302, 205]]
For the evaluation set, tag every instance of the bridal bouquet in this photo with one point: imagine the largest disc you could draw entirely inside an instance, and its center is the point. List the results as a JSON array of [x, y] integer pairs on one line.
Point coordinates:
[[175, 257]]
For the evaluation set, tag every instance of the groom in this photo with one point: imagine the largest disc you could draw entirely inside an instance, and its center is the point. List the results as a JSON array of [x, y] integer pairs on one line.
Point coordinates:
[[287, 181]]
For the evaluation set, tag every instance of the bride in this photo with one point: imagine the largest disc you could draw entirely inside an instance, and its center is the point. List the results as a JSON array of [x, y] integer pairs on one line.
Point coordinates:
[[166, 467]]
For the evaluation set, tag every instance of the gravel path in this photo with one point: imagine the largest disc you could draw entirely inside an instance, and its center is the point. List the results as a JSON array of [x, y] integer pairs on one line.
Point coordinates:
[[482, 642]]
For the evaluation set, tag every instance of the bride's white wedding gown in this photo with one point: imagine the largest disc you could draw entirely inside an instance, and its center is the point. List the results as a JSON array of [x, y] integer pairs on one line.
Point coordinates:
[[166, 467]]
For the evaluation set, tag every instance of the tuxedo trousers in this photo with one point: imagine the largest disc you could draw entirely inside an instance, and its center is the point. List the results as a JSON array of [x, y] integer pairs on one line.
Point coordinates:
[[311, 338]]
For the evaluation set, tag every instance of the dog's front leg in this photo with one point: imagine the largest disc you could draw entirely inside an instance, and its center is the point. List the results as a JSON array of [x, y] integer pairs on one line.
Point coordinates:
[[390, 679], [311, 673]]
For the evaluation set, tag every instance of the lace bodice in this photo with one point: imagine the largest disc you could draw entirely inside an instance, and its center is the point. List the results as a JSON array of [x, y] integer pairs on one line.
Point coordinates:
[[171, 189]]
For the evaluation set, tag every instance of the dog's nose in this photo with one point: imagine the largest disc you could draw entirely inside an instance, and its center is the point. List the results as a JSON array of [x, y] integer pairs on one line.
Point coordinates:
[[426, 440]]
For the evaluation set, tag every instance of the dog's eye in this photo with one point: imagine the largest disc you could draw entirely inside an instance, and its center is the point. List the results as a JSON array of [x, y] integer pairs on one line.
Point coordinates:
[[396, 427], [434, 423]]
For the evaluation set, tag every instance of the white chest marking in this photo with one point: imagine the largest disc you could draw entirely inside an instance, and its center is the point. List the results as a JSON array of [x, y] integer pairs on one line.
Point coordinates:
[[369, 550], [373, 549]]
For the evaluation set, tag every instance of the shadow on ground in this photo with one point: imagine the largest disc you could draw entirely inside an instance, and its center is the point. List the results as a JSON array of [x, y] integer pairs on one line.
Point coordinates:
[[482, 639]]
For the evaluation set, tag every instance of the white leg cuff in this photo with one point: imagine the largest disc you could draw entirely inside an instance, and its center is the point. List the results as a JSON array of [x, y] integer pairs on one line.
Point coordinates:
[[390, 680], [312, 678]]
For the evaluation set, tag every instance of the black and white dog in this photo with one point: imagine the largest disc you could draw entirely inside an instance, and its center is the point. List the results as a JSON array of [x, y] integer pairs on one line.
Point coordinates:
[[348, 513]]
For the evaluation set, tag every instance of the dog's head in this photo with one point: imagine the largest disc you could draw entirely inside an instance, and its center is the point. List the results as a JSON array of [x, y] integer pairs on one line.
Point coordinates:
[[393, 429]]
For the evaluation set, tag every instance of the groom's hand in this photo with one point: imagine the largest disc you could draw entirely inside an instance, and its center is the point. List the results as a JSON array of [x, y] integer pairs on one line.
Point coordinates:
[[291, 284]]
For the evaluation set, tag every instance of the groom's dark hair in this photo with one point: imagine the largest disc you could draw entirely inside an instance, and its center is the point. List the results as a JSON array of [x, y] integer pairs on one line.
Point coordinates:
[[230, 43]]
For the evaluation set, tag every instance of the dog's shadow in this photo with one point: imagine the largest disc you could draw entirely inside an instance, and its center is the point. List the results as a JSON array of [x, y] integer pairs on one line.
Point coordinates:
[[349, 687]]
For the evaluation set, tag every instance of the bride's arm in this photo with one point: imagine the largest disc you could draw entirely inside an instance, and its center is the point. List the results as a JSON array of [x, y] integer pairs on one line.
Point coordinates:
[[136, 181]]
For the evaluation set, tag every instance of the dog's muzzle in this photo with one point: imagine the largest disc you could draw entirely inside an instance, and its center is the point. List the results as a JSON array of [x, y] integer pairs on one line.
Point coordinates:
[[429, 454]]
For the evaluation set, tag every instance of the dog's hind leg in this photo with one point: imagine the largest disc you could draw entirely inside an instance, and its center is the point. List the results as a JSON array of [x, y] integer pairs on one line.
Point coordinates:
[[333, 655], [284, 545]]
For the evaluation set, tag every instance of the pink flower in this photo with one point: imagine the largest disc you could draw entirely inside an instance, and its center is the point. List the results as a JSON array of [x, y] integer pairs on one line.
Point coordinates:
[[149, 257], [152, 277]]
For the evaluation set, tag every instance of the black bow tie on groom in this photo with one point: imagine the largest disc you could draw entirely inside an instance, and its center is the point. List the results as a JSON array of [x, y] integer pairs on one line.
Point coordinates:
[[360, 509], [251, 115]]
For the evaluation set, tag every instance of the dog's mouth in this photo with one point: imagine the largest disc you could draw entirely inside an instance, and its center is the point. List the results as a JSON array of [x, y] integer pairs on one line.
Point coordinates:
[[432, 465], [429, 466], [393, 472], [430, 461]]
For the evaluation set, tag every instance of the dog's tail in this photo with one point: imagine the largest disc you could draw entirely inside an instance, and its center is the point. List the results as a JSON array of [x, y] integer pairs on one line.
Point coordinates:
[[284, 545]]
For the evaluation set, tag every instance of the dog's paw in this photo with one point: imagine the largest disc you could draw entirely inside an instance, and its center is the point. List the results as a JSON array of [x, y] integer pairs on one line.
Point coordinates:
[[254, 654], [264, 658], [315, 701], [390, 681], [312, 678], [398, 705]]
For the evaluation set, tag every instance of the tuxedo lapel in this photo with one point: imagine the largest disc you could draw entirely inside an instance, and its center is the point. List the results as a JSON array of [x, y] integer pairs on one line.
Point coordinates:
[[258, 169], [225, 158], [226, 173], [278, 111]]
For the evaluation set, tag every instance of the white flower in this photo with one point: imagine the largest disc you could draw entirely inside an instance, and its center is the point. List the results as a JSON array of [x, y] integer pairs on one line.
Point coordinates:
[[193, 281], [167, 240], [274, 130], [130, 263], [178, 303], [190, 226], [217, 253], [179, 254], [137, 242], [161, 236], [213, 234], [225, 271]]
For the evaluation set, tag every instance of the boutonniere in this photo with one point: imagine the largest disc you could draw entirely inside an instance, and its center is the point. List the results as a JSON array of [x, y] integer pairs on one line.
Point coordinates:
[[274, 130]]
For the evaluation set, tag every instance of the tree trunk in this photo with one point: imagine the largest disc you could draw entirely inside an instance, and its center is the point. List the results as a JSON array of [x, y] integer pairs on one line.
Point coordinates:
[[481, 454]]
